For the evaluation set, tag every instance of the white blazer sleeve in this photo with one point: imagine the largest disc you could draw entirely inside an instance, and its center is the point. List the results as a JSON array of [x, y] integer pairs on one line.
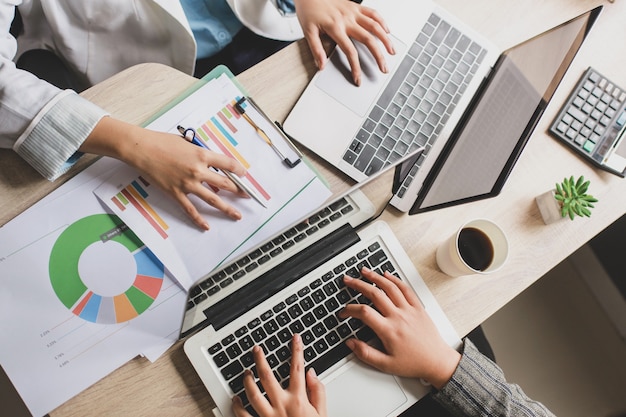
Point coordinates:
[[43, 124]]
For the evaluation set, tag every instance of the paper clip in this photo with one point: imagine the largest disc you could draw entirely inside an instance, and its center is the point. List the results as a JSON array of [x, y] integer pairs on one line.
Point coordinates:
[[263, 135]]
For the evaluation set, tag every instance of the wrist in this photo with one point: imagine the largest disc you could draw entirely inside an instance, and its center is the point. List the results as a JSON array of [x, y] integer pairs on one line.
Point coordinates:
[[114, 138], [445, 368]]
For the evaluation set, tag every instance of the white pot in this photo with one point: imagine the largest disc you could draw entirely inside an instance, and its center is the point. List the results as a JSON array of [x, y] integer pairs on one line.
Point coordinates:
[[549, 207]]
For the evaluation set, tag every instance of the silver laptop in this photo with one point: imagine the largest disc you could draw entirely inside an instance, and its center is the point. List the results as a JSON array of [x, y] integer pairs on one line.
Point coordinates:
[[302, 293], [447, 88]]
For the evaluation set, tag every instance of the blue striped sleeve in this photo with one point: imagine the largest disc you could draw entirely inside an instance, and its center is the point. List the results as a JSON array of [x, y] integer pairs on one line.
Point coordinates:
[[478, 388], [50, 144]]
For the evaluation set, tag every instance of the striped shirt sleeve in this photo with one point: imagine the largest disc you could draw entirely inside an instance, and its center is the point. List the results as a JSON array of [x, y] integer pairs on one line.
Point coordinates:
[[478, 388], [50, 143]]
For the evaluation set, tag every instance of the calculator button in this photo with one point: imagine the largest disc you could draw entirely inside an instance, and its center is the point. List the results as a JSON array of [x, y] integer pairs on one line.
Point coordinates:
[[621, 119], [577, 114], [588, 146]]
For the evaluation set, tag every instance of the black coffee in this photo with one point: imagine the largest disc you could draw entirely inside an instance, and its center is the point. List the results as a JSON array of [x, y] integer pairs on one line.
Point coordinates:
[[475, 248]]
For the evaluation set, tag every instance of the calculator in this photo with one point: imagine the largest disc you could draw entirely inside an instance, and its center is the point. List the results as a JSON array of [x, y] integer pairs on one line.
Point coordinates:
[[593, 121]]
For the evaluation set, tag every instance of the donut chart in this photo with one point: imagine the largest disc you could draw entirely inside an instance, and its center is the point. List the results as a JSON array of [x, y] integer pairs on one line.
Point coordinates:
[[71, 289]]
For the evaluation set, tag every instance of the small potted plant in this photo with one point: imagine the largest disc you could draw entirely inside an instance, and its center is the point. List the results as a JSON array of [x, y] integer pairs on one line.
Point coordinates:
[[568, 199]]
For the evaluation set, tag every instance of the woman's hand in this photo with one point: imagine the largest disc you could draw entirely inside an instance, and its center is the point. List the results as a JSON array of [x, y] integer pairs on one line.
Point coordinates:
[[173, 164], [344, 21], [305, 396], [412, 344]]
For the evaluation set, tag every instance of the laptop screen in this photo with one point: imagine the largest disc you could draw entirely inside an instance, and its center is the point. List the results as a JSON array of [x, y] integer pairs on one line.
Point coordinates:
[[487, 142]]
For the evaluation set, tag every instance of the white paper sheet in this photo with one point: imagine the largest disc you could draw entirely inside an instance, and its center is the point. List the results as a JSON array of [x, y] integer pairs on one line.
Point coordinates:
[[188, 252], [54, 268]]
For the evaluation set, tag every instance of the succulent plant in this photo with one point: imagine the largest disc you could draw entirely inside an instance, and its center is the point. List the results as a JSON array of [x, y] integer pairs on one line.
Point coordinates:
[[573, 198]]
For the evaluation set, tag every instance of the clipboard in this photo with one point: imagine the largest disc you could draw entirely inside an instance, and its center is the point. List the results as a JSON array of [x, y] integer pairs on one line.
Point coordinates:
[[276, 126]]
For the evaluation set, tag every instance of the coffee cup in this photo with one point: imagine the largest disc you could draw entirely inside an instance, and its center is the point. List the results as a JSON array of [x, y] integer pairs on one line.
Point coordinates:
[[478, 247]]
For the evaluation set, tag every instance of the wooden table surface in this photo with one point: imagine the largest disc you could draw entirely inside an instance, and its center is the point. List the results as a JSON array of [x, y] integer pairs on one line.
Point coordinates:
[[170, 386]]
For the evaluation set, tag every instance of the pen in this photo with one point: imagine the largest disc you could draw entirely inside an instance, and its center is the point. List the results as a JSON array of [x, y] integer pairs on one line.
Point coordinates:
[[193, 138]]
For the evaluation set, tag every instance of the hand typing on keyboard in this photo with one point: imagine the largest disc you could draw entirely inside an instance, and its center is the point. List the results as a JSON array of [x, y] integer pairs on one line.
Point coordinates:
[[393, 312], [304, 397], [404, 328], [412, 347]]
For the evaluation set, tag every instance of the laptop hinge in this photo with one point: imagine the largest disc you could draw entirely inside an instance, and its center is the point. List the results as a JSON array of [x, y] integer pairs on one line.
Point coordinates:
[[279, 277]]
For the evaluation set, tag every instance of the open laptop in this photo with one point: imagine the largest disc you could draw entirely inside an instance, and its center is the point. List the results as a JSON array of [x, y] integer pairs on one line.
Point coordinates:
[[302, 293], [448, 89]]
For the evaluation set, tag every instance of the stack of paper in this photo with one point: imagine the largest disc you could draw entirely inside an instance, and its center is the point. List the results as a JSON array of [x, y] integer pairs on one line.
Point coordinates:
[[87, 286]]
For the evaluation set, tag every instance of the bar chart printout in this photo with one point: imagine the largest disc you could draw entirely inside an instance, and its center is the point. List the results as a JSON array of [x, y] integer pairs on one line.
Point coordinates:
[[186, 251]]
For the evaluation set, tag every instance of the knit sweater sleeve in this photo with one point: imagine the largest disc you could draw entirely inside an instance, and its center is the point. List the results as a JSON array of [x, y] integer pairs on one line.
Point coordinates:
[[478, 388]]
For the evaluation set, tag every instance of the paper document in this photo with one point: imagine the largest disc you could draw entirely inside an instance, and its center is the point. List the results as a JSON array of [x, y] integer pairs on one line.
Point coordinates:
[[80, 295], [187, 251]]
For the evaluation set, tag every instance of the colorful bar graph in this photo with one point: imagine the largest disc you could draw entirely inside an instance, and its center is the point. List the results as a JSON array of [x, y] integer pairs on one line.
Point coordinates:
[[135, 195], [220, 131]]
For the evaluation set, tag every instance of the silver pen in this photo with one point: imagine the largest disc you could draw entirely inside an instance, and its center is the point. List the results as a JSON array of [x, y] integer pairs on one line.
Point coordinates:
[[189, 134]]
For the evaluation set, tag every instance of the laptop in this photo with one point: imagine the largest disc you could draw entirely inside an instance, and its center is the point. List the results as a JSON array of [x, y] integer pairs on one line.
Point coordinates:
[[472, 106], [302, 293]]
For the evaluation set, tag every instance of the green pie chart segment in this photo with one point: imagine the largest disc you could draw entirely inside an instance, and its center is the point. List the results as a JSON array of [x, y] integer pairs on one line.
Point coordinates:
[[75, 294]]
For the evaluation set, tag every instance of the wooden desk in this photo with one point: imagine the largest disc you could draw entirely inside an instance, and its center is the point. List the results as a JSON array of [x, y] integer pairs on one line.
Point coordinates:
[[171, 387]]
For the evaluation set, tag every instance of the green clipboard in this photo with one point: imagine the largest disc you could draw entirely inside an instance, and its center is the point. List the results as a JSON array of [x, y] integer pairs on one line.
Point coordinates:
[[218, 72]]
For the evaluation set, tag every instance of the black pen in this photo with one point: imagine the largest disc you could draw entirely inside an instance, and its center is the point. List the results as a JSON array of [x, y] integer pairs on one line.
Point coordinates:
[[189, 134]]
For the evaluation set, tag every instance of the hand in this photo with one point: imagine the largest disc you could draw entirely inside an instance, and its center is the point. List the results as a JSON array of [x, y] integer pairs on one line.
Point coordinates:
[[173, 164], [412, 344], [305, 396], [343, 20]]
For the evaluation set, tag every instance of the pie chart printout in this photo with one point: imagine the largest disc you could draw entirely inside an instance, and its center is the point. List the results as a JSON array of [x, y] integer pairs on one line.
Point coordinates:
[[102, 272]]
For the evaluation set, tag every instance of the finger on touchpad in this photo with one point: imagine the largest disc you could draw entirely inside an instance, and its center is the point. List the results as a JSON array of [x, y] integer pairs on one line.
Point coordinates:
[[336, 78]]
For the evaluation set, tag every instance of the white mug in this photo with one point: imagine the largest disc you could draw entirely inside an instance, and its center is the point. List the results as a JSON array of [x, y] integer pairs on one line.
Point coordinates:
[[478, 247]]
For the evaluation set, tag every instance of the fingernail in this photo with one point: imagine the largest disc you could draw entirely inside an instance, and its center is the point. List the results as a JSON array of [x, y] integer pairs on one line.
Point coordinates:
[[312, 372], [205, 226], [350, 343], [347, 278], [237, 215], [357, 81], [366, 269]]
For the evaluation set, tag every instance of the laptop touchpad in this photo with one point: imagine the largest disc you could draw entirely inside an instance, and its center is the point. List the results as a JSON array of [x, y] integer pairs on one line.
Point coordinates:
[[363, 391], [336, 78]]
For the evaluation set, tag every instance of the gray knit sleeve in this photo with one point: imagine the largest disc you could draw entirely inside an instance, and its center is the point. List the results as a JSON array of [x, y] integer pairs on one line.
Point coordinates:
[[478, 388]]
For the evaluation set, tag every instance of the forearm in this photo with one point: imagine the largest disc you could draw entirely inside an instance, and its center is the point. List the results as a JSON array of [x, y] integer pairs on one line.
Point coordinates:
[[42, 123], [478, 388]]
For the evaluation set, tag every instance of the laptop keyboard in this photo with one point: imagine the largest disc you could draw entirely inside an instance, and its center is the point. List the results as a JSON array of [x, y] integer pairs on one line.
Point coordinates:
[[280, 247], [418, 100], [310, 311]]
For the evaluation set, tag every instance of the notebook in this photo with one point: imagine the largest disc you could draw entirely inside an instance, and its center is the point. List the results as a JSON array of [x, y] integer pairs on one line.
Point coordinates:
[[448, 89], [302, 294]]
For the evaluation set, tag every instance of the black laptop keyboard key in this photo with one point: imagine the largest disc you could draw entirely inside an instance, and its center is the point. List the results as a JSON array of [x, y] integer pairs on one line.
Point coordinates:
[[283, 318], [246, 343], [232, 370], [334, 355], [220, 359]]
